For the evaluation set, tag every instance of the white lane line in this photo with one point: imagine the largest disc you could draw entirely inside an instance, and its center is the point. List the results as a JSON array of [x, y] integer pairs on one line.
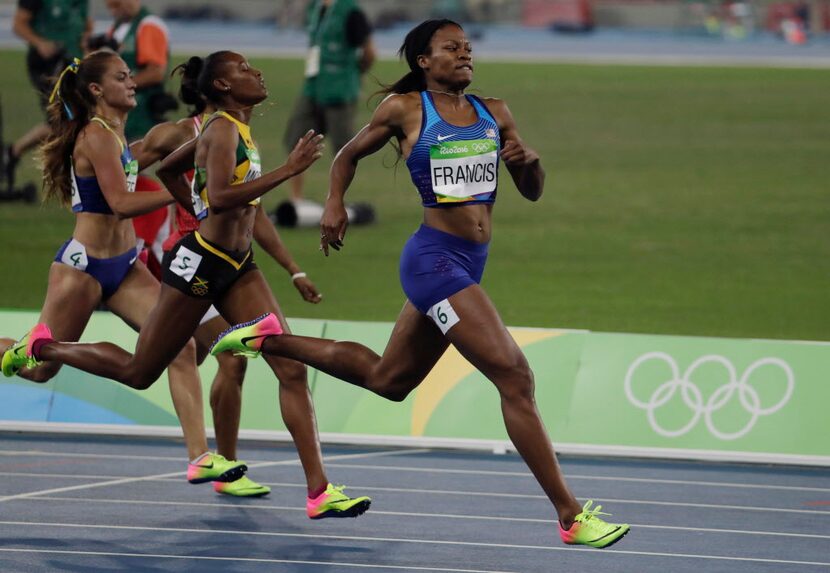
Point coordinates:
[[244, 559], [317, 538], [456, 493], [584, 477], [179, 474], [546, 522], [599, 499], [431, 470]]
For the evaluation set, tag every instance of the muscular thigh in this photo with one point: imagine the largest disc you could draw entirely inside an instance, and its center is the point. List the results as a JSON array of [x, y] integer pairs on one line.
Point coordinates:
[[71, 296], [165, 317], [136, 296], [480, 335], [248, 298], [414, 347]]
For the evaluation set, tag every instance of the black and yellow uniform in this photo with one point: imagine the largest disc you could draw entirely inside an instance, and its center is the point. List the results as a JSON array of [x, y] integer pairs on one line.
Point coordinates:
[[248, 166], [195, 266], [201, 269]]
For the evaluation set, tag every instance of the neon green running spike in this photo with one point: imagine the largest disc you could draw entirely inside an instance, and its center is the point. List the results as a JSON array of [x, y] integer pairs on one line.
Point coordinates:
[[588, 529], [14, 358], [246, 339], [19, 355], [334, 503], [213, 467], [243, 487]]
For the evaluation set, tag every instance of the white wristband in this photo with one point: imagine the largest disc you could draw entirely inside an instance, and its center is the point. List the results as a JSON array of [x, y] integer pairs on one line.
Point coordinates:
[[300, 275]]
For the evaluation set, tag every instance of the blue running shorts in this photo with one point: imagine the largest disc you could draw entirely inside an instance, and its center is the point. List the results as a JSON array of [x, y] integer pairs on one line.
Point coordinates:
[[435, 265], [110, 273]]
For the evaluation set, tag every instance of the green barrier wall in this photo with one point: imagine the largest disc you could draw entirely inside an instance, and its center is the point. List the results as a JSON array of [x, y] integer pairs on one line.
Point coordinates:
[[622, 392]]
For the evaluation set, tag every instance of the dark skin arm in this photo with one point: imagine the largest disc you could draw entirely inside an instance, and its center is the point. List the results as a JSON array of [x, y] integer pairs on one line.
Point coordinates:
[[385, 123], [521, 161], [220, 139], [159, 143], [269, 239]]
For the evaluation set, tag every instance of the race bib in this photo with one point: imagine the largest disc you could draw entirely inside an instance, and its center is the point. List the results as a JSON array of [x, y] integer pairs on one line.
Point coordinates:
[[199, 207], [76, 194], [460, 170], [131, 171], [74, 255], [443, 315], [186, 263], [254, 165], [312, 62]]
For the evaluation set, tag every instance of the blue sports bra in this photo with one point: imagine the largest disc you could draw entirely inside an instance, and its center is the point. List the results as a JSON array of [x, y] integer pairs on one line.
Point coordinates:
[[453, 165], [86, 193]]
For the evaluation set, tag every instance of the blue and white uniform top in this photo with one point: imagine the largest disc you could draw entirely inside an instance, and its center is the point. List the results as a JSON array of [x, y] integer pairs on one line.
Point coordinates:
[[453, 165], [86, 192]]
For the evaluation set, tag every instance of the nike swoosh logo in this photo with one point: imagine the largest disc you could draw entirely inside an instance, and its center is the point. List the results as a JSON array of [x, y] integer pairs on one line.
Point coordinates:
[[246, 339], [443, 137]]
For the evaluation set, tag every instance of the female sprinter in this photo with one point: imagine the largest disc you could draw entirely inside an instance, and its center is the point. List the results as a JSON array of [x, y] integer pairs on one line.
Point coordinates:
[[214, 265], [88, 165], [452, 143], [226, 390]]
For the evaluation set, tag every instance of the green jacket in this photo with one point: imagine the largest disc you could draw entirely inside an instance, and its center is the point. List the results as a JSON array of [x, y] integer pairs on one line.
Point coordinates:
[[338, 80], [142, 118], [63, 22]]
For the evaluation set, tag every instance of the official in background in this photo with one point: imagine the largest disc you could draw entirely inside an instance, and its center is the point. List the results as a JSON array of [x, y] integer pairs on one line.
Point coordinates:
[[56, 31], [141, 39], [340, 52]]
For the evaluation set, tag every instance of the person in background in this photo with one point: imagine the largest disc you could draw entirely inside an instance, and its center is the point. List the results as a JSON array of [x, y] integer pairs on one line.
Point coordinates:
[[340, 52], [56, 31]]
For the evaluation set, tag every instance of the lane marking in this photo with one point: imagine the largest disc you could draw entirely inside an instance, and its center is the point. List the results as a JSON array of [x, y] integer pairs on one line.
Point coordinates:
[[585, 477], [598, 499], [244, 559], [179, 474], [524, 474], [546, 522], [318, 537]]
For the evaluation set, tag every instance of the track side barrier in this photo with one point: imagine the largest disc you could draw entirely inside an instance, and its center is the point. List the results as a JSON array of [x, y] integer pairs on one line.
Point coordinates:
[[598, 393]]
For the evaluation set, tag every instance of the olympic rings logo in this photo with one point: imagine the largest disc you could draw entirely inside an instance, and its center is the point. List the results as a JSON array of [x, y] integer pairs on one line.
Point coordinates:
[[482, 147], [693, 397]]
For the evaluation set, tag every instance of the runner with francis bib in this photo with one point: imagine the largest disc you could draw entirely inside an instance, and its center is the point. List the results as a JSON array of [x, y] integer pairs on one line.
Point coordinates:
[[214, 265], [452, 143]]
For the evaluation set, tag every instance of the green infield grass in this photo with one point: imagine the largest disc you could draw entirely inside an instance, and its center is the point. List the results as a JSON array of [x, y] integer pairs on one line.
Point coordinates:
[[678, 201]]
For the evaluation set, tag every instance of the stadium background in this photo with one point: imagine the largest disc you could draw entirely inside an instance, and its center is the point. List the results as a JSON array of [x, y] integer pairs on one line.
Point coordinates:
[[685, 198]]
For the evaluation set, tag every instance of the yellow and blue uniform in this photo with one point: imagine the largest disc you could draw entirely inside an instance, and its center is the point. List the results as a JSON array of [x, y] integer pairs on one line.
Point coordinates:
[[87, 197]]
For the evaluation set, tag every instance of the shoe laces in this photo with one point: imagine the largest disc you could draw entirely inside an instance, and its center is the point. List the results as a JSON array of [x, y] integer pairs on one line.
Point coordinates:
[[590, 517], [336, 492]]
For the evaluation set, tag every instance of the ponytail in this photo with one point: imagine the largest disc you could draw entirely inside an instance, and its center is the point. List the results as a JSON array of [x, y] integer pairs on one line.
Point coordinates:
[[189, 91], [70, 108]]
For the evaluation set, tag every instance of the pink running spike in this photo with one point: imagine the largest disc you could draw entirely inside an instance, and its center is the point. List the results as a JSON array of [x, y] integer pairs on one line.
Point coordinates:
[[39, 332], [269, 325]]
